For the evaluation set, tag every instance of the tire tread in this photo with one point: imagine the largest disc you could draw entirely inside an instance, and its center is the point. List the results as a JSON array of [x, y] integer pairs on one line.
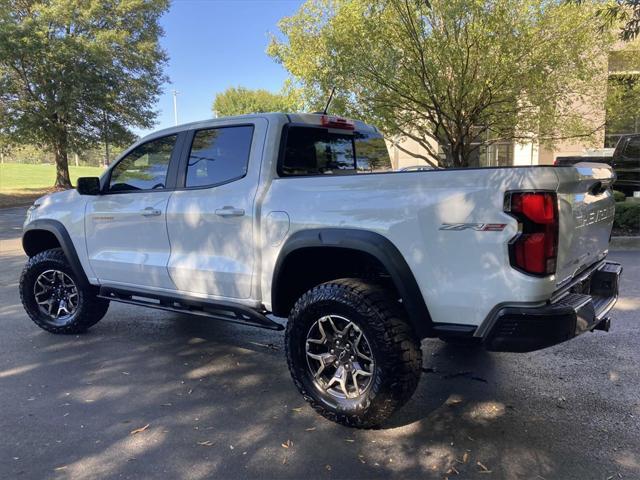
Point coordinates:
[[91, 309], [402, 357]]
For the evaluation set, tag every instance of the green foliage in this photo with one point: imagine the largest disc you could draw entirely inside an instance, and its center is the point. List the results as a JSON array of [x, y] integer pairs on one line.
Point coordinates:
[[241, 100], [618, 196], [625, 13], [623, 90], [627, 218], [458, 73], [76, 72], [15, 177], [622, 14]]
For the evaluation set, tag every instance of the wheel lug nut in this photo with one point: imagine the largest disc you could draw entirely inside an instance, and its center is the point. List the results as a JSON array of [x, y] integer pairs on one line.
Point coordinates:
[[332, 351]]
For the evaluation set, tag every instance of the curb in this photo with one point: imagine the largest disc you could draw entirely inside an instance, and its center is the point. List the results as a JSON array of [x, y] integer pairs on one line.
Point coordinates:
[[624, 243]]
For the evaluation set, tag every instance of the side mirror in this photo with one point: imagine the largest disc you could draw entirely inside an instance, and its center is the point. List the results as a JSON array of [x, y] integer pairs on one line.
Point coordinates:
[[88, 186]]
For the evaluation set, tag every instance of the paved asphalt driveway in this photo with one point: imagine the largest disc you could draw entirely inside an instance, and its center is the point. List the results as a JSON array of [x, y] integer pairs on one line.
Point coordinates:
[[214, 400]]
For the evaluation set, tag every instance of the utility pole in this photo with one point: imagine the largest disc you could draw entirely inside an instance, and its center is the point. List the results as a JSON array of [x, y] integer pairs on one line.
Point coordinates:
[[175, 106]]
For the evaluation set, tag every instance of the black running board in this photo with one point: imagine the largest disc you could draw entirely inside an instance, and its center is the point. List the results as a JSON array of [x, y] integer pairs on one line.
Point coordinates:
[[228, 312]]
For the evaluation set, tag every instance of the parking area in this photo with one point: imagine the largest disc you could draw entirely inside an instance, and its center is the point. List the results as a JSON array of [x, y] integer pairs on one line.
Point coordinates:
[[147, 393]]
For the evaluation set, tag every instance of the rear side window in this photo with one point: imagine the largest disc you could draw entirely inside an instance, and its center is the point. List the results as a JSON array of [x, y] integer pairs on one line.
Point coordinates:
[[319, 151], [219, 155]]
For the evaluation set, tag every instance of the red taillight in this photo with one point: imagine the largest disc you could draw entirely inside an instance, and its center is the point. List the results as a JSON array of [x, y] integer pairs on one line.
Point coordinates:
[[331, 121], [534, 249]]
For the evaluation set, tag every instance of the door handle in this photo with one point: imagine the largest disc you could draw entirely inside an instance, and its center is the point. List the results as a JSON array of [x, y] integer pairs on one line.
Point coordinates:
[[150, 212], [230, 212]]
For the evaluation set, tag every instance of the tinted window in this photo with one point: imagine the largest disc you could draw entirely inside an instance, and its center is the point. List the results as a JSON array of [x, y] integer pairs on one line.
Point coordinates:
[[315, 151], [218, 155], [633, 148], [145, 168], [318, 151], [371, 153]]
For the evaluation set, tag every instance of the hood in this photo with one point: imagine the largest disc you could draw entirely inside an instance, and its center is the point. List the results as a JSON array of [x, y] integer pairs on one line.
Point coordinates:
[[58, 197]]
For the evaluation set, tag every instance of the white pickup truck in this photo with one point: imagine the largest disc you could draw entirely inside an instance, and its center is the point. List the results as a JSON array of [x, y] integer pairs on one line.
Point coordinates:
[[302, 216]]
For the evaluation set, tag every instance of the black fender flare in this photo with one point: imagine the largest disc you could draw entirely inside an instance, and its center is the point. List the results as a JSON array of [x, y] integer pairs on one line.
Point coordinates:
[[60, 232], [373, 244]]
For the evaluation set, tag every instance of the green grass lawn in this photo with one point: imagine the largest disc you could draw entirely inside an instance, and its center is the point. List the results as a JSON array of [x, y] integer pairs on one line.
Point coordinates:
[[22, 183]]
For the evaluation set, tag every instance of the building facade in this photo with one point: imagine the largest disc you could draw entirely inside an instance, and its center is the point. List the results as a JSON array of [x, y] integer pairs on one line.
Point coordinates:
[[510, 153]]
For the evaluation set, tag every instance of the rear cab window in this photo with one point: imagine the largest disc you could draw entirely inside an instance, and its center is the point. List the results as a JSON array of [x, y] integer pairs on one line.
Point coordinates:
[[312, 150]]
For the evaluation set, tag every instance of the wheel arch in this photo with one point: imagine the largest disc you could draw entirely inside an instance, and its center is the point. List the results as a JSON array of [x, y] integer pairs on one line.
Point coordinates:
[[365, 246], [46, 234]]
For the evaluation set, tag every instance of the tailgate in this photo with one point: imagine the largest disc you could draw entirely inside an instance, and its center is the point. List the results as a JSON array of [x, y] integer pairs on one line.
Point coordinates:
[[586, 208]]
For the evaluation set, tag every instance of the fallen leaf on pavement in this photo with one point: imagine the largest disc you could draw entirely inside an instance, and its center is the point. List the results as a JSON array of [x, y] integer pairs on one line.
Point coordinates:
[[297, 410], [328, 467], [139, 430], [482, 467], [310, 429], [287, 444], [465, 457], [206, 443]]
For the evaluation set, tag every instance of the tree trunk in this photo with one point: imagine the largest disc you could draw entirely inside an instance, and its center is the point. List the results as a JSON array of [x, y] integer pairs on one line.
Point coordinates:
[[107, 160], [456, 158], [62, 163]]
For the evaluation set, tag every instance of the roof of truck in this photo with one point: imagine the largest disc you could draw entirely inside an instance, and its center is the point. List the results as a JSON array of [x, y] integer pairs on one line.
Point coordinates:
[[304, 118]]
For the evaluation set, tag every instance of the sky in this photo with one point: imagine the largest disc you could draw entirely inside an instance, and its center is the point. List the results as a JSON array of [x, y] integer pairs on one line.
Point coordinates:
[[213, 45]]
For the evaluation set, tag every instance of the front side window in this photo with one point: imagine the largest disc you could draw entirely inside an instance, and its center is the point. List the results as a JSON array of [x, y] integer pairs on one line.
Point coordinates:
[[219, 155], [145, 168]]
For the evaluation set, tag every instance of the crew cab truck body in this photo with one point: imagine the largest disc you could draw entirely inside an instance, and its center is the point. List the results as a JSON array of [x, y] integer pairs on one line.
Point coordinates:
[[301, 216]]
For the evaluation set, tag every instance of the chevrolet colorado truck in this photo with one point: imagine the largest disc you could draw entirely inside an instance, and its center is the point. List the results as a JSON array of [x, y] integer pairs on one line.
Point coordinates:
[[256, 217]]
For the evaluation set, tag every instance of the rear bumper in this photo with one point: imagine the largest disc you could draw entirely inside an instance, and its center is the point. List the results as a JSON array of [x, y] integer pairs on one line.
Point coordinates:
[[583, 307]]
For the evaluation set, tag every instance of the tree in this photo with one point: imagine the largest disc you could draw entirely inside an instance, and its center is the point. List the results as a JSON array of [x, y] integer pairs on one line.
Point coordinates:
[[619, 13], [459, 73], [623, 104], [241, 100], [623, 91], [77, 72]]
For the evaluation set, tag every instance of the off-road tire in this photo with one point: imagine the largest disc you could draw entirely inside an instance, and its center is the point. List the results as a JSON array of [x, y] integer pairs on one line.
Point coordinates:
[[394, 345], [90, 309]]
